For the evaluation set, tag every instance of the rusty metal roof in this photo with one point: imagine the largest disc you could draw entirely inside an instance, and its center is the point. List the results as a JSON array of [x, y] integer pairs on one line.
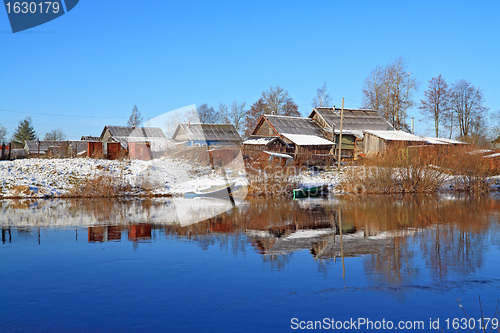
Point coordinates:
[[294, 125], [354, 119], [126, 131], [207, 132]]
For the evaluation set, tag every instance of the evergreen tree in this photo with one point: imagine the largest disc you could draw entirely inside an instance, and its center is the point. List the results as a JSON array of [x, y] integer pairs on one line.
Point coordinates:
[[25, 131]]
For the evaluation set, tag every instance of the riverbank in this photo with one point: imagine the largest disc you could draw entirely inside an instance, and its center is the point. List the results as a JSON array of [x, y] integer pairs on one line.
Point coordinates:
[[165, 177], [85, 177]]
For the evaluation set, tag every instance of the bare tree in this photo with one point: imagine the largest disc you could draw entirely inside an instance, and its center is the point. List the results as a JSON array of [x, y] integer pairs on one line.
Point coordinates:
[[135, 118], [278, 102], [323, 98], [253, 114], [55, 135], [437, 102], [224, 113], [237, 115], [208, 115], [275, 101], [3, 134], [467, 106], [389, 90]]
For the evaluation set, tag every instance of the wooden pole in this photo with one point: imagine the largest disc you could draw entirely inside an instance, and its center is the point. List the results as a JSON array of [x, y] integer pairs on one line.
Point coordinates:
[[341, 243], [340, 136]]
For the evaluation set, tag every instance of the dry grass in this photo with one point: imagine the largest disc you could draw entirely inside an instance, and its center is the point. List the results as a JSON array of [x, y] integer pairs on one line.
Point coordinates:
[[421, 170], [400, 170], [102, 186]]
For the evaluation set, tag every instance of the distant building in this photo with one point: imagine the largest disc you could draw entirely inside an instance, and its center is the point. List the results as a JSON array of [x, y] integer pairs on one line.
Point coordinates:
[[207, 135], [496, 143], [353, 124], [137, 140], [36, 148], [90, 138]]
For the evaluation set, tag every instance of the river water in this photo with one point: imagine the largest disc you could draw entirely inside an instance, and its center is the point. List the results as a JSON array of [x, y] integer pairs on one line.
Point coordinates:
[[191, 265]]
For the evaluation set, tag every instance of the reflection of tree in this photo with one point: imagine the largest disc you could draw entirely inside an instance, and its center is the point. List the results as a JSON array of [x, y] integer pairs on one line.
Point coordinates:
[[447, 248], [277, 261], [394, 264]]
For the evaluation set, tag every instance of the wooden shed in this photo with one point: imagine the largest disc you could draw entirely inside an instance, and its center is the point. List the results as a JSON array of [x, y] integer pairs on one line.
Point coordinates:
[[154, 136], [207, 135], [254, 145], [354, 122], [377, 142], [305, 138]]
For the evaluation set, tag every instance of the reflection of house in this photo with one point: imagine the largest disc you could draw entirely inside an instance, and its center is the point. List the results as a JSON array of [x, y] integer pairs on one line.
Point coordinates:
[[378, 141], [104, 234], [302, 135], [139, 232], [353, 124], [203, 135]]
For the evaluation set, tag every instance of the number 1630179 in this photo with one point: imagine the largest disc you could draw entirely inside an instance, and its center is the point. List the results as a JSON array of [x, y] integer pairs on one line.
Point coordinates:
[[33, 7]]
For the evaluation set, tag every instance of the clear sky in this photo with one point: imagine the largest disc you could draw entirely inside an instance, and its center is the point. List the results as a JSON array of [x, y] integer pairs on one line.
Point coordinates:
[[89, 67]]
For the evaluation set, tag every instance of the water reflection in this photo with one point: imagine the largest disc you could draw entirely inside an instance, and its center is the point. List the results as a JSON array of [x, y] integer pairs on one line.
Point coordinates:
[[392, 234]]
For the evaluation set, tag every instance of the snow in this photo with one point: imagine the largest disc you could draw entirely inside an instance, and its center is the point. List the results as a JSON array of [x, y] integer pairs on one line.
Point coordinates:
[[57, 177], [278, 154], [440, 141], [395, 135], [258, 141], [307, 140], [356, 133], [309, 233]]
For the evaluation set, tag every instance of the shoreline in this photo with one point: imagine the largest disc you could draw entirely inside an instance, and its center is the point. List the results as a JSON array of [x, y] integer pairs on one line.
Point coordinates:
[[168, 178]]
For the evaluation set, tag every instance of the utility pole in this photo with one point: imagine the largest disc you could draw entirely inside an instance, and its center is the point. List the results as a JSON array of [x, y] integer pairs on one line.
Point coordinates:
[[340, 136]]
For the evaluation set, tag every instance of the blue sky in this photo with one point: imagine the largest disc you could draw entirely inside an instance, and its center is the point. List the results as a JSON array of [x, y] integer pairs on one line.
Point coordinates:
[[89, 67]]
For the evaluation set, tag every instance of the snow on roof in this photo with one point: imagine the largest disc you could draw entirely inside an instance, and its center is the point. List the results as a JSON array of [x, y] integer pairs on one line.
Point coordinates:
[[441, 141], [260, 140], [395, 136], [482, 152], [307, 140], [356, 133], [278, 154]]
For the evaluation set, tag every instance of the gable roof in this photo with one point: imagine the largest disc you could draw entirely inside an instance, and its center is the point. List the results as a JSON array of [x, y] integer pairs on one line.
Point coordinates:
[[126, 134], [137, 132], [354, 119], [292, 125], [207, 132]]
